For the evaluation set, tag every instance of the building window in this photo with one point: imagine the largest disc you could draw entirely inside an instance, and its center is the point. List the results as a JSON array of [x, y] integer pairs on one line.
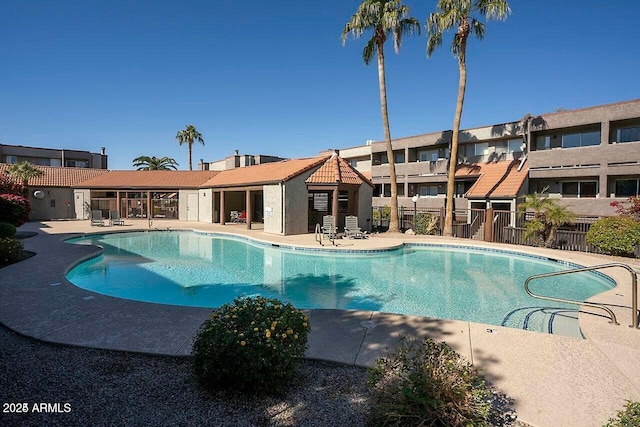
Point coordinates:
[[377, 190], [52, 203], [428, 190], [428, 156], [400, 189], [354, 163], [543, 143], [481, 149], [627, 187], [580, 189], [55, 162], [398, 157], [515, 145], [76, 163], [583, 139], [630, 134], [11, 159]]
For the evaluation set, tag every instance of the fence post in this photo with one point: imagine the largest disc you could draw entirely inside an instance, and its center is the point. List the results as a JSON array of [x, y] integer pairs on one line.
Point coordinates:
[[441, 220], [488, 225], [402, 217]]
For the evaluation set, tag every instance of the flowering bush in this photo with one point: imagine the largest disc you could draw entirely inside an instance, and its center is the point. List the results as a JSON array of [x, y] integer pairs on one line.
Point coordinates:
[[630, 207], [10, 251], [9, 186], [14, 209], [615, 235], [252, 345], [427, 383]]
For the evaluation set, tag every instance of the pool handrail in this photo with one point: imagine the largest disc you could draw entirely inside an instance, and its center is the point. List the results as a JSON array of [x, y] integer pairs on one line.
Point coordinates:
[[634, 290]]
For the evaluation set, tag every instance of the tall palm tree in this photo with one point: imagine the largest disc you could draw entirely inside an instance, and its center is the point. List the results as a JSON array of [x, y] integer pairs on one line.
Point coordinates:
[[459, 14], [188, 136], [384, 17], [147, 163], [23, 172]]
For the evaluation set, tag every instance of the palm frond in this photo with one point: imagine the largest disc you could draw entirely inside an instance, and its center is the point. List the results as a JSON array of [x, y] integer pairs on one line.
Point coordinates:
[[369, 51], [477, 28]]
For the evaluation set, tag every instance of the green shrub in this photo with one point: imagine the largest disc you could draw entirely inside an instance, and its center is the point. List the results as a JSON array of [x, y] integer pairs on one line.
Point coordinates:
[[14, 209], [252, 345], [628, 417], [615, 235], [10, 251], [7, 230], [426, 223], [427, 383], [384, 213]]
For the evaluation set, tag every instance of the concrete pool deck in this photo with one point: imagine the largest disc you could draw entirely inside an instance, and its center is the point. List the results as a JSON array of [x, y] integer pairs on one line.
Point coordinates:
[[553, 380]]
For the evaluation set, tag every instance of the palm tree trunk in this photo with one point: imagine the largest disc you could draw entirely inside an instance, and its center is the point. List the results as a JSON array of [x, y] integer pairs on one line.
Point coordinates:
[[453, 156], [190, 148], [393, 220]]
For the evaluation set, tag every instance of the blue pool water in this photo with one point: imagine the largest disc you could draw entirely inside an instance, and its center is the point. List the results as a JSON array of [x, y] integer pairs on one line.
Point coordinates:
[[194, 269]]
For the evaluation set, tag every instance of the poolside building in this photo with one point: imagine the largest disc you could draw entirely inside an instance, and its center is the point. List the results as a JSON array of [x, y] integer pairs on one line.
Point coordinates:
[[12, 154], [286, 197], [51, 194]]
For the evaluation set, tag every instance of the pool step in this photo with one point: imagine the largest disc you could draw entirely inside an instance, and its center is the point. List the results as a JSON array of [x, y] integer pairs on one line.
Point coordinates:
[[551, 320]]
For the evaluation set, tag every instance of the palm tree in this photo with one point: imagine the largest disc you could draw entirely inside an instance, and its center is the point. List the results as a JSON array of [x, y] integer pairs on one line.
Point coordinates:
[[23, 172], [147, 163], [548, 216], [384, 17], [188, 136], [458, 14]]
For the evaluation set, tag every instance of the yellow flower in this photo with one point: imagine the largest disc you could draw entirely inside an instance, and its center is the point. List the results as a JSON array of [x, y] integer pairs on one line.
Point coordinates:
[[259, 308], [306, 319], [268, 333], [277, 307], [255, 329], [284, 335], [226, 316], [253, 323], [243, 343], [295, 337], [234, 317], [289, 331], [235, 331], [241, 335], [305, 324]]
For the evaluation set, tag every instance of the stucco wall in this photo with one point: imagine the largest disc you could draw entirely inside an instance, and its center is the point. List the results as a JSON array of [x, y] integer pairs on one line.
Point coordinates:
[[205, 205], [81, 196], [364, 206], [183, 205], [272, 210], [296, 205], [60, 197]]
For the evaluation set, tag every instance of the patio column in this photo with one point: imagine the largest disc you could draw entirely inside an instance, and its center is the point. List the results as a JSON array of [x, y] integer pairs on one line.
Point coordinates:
[[248, 208], [222, 217], [334, 209], [149, 212], [118, 200]]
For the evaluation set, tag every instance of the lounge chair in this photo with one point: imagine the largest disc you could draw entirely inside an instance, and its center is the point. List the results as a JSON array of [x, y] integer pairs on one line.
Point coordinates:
[[114, 218], [351, 229], [96, 218], [329, 227]]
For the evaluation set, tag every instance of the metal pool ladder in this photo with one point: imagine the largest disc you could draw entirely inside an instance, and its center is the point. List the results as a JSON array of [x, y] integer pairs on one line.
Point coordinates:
[[634, 290]]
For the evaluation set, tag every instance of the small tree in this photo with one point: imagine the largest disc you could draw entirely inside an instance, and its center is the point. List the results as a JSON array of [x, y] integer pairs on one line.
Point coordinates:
[[146, 163], [548, 216], [23, 172]]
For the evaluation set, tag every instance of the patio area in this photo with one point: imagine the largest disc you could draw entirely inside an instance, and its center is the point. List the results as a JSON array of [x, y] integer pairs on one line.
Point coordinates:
[[554, 380]]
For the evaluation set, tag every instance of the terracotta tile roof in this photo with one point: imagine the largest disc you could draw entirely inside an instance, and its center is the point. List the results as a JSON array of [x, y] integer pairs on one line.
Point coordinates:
[[264, 173], [334, 170], [149, 179], [53, 176], [500, 179]]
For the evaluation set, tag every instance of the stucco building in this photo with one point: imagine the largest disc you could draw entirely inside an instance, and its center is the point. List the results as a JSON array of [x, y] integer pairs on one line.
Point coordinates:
[[586, 158]]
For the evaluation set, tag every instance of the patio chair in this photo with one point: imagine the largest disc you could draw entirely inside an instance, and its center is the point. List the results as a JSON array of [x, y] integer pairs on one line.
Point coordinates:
[[235, 216], [114, 218], [329, 227], [243, 216], [351, 229], [96, 218]]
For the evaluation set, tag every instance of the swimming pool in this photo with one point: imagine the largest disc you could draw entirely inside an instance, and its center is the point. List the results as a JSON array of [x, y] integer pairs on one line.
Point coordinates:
[[197, 269]]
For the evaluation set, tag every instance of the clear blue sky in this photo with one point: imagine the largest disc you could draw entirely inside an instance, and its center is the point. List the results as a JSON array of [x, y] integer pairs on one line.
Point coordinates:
[[274, 78]]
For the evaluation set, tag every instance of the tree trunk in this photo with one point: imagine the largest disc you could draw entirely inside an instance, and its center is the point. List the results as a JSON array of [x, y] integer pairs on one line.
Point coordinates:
[[453, 156], [190, 147], [393, 220]]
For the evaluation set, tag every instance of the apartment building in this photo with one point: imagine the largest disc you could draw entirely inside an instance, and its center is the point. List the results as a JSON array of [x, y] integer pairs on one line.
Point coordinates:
[[237, 160], [11, 154], [585, 158]]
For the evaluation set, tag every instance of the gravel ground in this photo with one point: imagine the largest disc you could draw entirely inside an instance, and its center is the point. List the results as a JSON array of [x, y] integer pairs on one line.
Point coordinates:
[[107, 388]]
